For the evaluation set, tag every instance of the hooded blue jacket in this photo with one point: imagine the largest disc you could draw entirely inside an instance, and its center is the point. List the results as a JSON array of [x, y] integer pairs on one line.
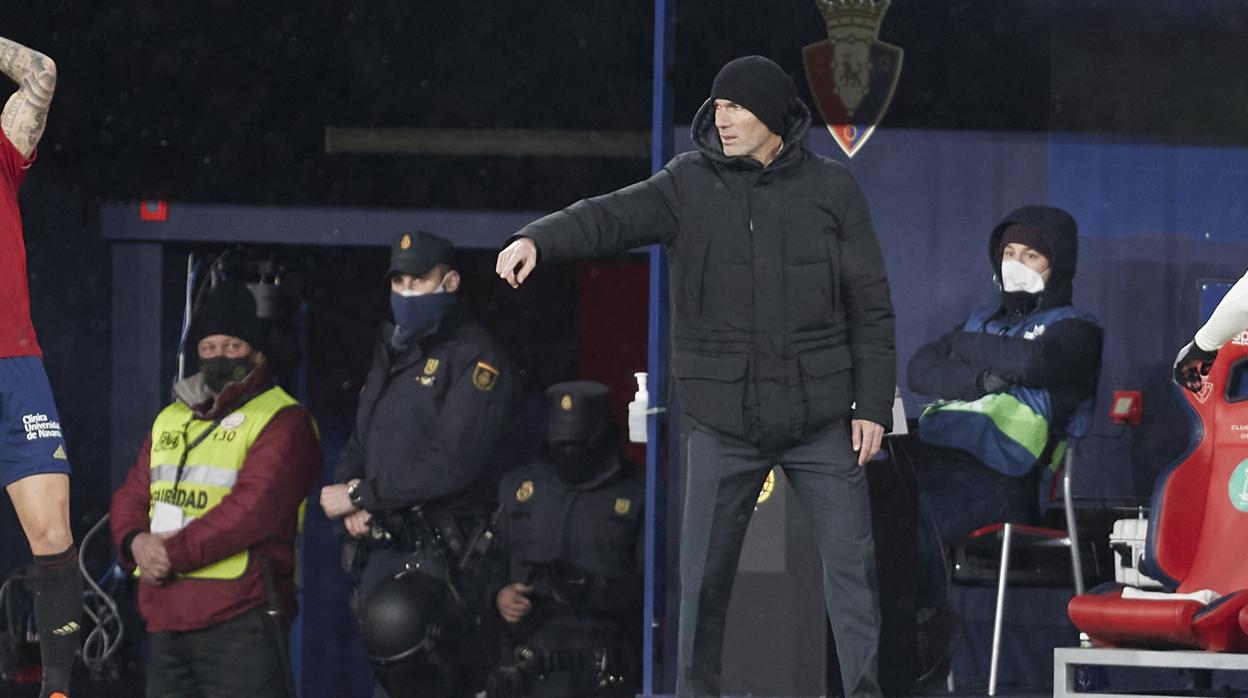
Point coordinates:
[[1048, 352]]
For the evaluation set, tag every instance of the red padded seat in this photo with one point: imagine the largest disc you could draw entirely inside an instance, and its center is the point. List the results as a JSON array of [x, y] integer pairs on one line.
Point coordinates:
[[1199, 516]]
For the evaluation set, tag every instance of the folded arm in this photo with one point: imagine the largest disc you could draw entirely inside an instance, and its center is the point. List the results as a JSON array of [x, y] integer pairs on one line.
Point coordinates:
[[933, 371], [1067, 353]]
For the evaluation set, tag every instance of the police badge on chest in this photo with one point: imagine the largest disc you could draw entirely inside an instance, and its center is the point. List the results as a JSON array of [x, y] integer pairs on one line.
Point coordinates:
[[429, 377]]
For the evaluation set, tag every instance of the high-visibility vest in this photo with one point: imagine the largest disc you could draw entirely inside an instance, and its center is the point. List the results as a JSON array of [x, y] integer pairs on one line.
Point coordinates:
[[210, 467], [1008, 431]]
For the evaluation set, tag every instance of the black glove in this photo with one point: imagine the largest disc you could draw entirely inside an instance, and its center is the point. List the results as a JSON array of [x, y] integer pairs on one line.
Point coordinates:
[[992, 383], [571, 584], [1192, 364]]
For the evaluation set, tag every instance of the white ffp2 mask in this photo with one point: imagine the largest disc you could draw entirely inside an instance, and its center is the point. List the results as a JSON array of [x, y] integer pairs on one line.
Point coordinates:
[[1016, 276]]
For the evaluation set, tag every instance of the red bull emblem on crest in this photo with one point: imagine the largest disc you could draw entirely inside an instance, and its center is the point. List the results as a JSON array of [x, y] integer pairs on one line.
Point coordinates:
[[852, 75]]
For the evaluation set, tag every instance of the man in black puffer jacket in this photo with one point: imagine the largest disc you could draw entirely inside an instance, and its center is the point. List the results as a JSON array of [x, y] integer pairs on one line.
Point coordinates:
[[782, 345]]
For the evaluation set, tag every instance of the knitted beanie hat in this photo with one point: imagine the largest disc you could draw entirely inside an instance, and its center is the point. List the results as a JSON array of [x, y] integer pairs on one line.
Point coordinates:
[[1027, 235], [761, 86]]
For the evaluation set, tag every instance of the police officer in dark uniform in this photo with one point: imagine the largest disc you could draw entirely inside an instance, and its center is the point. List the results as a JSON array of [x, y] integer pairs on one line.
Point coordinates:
[[571, 529], [415, 484]]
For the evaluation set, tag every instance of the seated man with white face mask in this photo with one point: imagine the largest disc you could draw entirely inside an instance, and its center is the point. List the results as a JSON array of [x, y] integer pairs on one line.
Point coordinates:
[[1007, 381]]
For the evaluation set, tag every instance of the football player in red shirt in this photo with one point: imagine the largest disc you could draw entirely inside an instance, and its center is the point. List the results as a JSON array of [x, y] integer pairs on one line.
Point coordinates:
[[34, 467]]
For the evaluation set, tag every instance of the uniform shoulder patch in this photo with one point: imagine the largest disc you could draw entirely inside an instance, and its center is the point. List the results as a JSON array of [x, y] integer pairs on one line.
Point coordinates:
[[484, 376], [525, 491]]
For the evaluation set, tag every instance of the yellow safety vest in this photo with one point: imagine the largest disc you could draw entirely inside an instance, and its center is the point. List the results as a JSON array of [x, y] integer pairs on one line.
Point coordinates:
[[211, 465]]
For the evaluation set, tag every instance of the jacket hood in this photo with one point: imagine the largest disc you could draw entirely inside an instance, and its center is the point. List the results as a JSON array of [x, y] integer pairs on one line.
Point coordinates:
[[706, 138], [1062, 234], [204, 404]]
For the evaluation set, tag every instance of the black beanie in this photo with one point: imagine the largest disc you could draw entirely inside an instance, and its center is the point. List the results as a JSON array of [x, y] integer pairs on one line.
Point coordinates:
[[230, 309], [761, 86], [1028, 235]]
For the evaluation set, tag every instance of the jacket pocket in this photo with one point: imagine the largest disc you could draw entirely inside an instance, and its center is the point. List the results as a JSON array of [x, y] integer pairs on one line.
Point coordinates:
[[712, 389], [827, 385], [834, 263]]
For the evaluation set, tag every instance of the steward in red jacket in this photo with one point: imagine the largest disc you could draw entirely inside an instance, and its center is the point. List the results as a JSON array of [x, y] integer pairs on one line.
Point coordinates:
[[217, 494]]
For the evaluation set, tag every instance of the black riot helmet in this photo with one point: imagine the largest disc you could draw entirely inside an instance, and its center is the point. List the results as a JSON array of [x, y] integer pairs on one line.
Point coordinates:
[[402, 616], [404, 622], [580, 435]]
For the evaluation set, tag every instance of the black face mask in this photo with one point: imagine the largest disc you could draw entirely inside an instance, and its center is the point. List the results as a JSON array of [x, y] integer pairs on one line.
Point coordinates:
[[417, 315], [580, 461], [220, 370]]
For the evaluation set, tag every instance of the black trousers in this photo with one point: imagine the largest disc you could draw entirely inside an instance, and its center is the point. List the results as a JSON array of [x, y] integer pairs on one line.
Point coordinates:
[[235, 659], [723, 478]]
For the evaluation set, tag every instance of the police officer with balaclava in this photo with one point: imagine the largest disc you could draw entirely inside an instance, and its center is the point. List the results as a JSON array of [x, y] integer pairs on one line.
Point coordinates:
[[415, 483], [571, 530]]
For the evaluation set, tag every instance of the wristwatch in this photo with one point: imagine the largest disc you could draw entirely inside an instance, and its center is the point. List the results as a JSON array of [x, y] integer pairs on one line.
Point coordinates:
[[354, 495]]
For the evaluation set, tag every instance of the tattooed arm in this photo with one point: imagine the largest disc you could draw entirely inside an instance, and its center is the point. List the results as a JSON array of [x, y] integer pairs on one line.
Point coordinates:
[[26, 112]]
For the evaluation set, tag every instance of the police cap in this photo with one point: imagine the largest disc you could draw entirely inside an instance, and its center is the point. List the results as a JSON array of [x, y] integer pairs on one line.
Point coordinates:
[[417, 252], [578, 409]]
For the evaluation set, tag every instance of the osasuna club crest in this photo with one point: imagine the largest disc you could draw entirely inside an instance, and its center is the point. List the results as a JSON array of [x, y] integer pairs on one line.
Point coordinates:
[[1206, 389], [852, 75]]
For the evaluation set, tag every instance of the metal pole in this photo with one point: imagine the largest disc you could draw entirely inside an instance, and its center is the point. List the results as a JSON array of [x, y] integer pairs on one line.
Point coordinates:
[[186, 315], [996, 621], [660, 152], [1072, 526]]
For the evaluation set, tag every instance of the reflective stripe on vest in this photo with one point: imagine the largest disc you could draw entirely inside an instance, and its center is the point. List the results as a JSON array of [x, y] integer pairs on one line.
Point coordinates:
[[212, 467], [1007, 431]]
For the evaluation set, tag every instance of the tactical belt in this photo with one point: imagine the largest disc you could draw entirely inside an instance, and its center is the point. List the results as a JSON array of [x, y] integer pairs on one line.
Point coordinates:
[[600, 660], [463, 534]]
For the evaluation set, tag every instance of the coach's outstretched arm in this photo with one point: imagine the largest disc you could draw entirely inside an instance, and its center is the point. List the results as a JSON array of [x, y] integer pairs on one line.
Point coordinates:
[[26, 113]]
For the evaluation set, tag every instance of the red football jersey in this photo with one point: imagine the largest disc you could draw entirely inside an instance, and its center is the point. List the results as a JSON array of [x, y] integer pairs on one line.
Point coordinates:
[[17, 334]]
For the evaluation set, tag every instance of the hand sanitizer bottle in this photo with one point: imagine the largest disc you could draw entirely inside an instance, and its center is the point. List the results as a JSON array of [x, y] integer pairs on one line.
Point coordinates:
[[637, 411]]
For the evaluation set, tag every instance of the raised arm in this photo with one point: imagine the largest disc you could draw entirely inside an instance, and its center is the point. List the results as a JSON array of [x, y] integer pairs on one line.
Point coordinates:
[[26, 113]]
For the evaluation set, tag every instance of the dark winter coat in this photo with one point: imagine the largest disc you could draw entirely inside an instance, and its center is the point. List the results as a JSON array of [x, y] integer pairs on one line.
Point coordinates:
[[781, 316], [430, 417]]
